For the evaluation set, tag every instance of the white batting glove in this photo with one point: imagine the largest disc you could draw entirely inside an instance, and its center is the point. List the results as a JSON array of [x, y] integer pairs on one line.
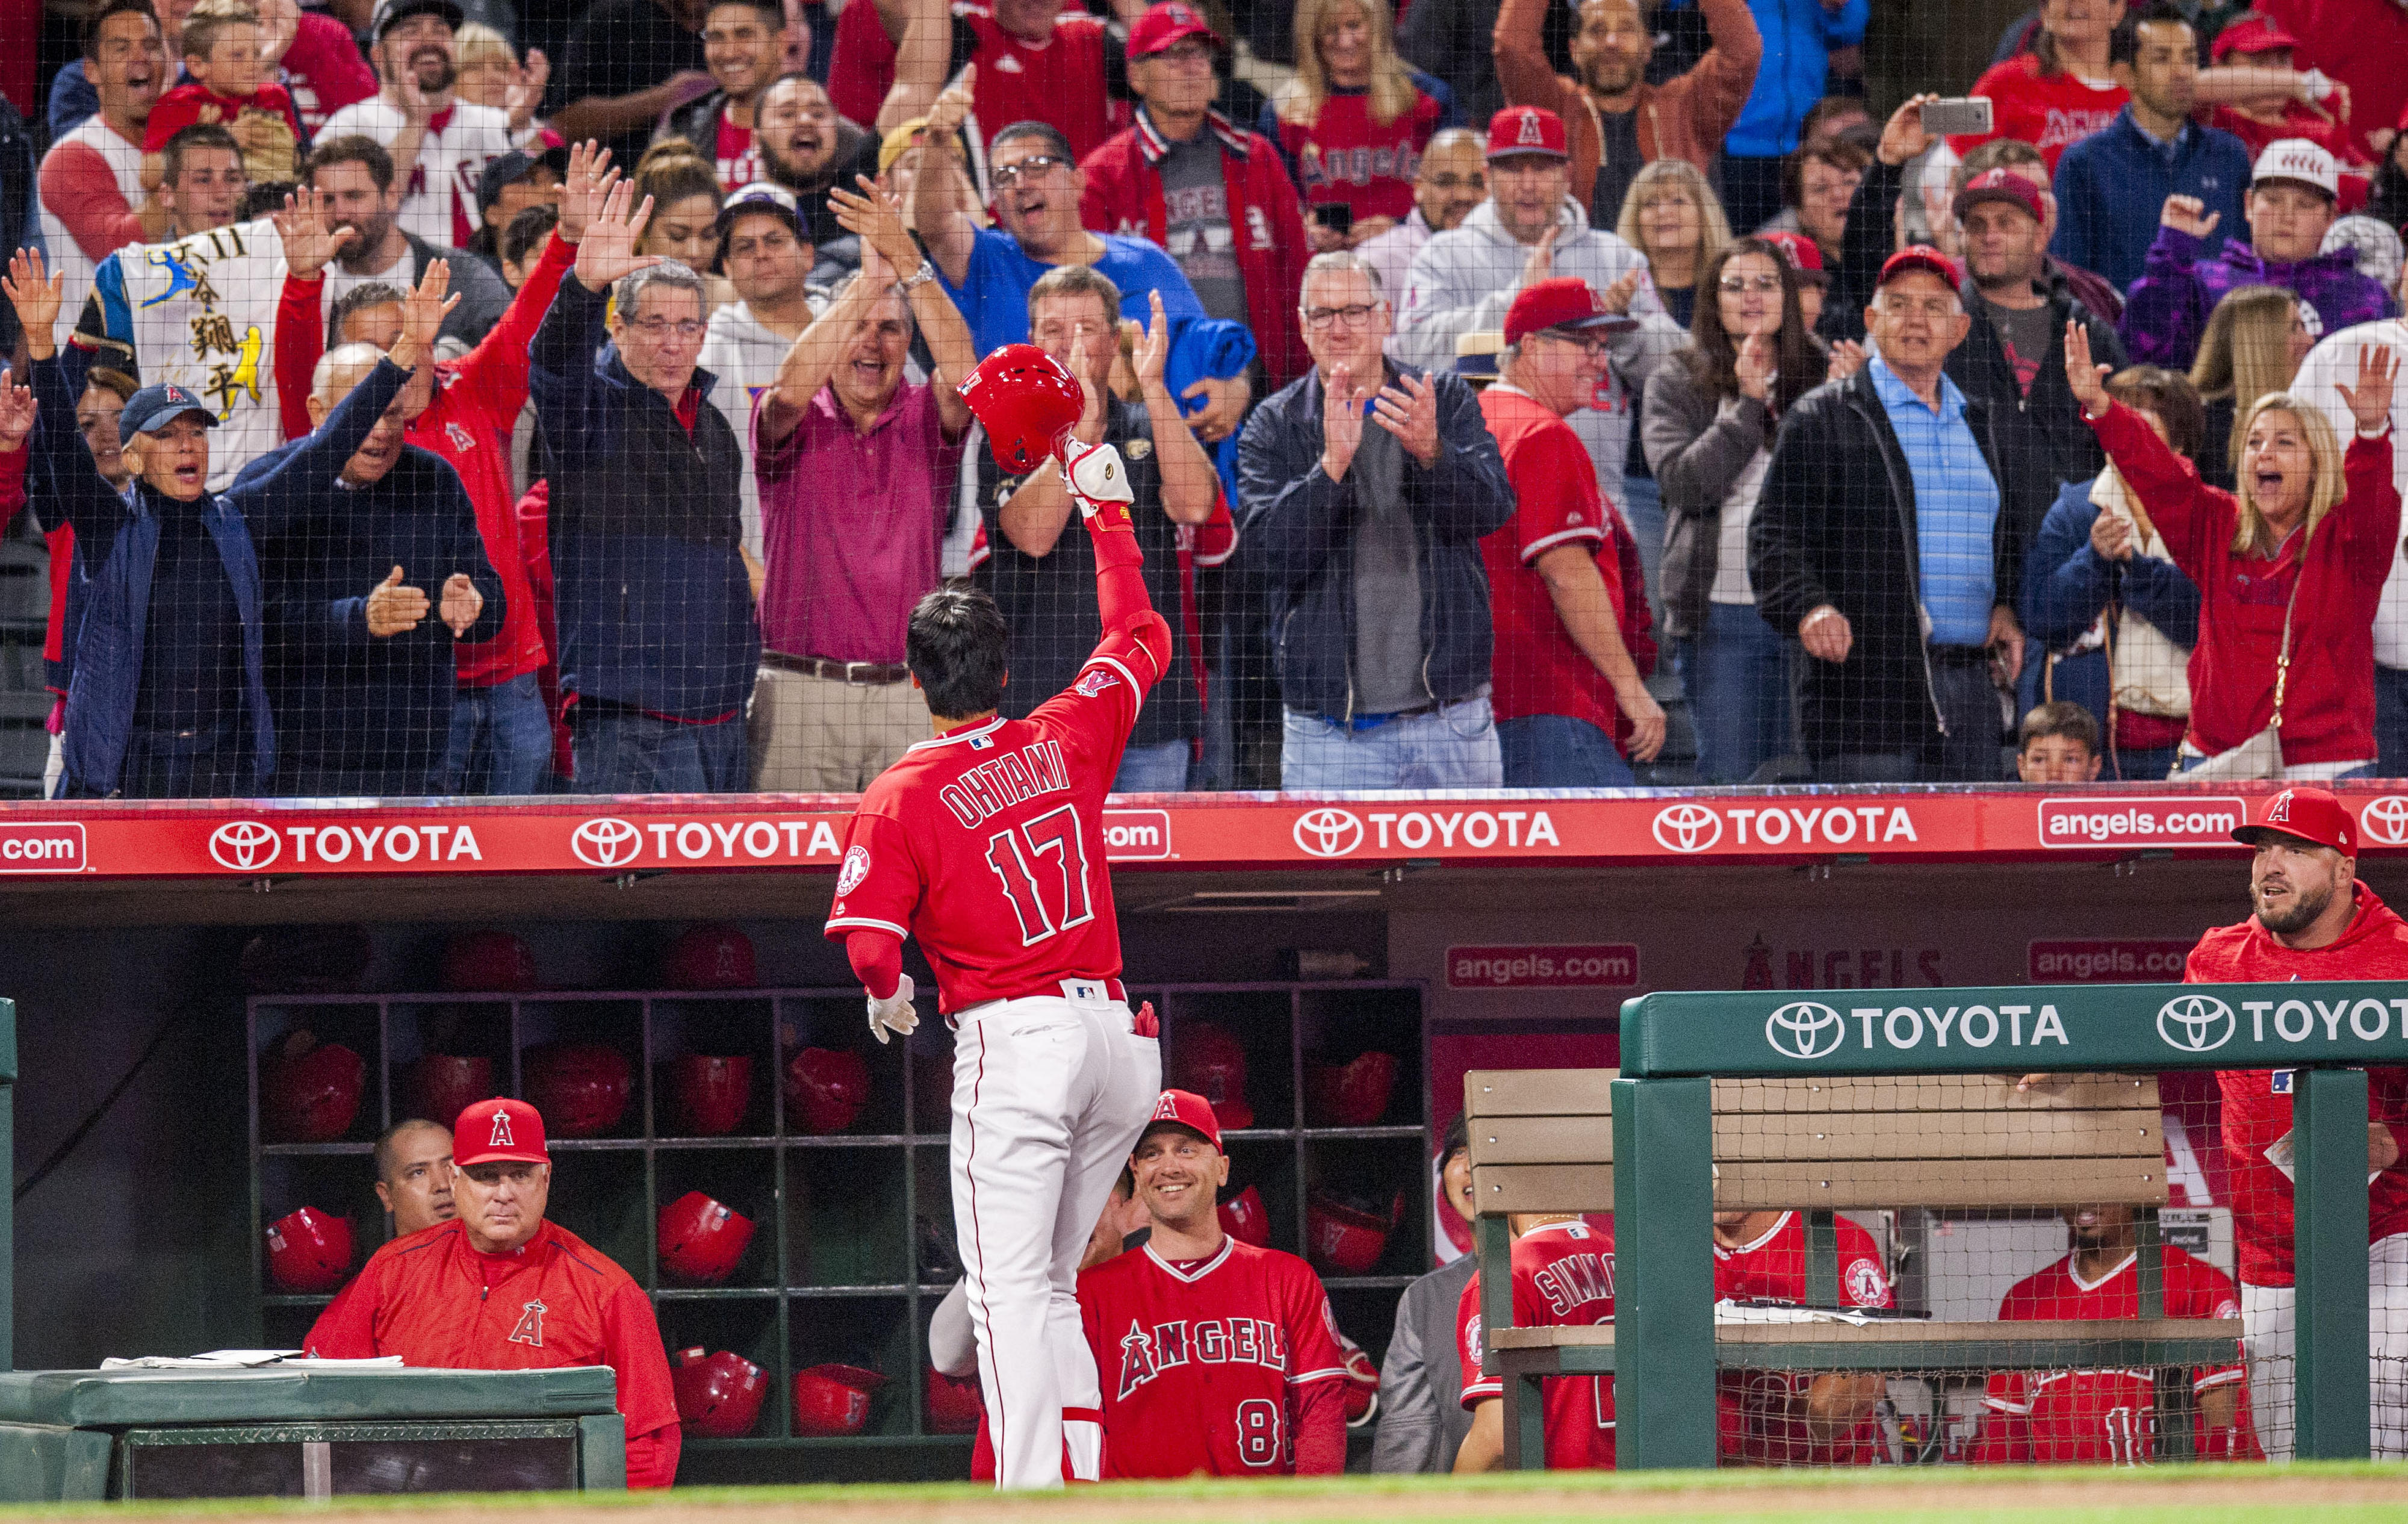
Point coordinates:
[[1098, 476], [894, 1013]]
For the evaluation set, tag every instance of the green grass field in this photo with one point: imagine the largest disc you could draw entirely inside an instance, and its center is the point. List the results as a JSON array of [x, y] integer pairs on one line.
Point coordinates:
[[2299, 1494]]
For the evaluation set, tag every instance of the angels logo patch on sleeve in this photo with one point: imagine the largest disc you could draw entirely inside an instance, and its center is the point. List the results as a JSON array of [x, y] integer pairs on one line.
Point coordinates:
[[856, 868], [1092, 682]]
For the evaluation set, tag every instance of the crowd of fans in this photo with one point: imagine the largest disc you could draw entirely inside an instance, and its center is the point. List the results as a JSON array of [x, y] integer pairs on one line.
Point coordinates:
[[1516, 392]]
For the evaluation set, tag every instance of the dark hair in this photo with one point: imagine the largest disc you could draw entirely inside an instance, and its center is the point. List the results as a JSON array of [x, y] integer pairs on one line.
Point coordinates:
[[1713, 357], [114, 8], [382, 1152], [525, 231], [1836, 152], [956, 646], [265, 196], [351, 148], [1827, 108], [360, 298], [768, 9], [2124, 43], [1457, 1139], [200, 134], [2058, 717], [2052, 62], [2171, 395], [1997, 154], [115, 383], [1056, 143]]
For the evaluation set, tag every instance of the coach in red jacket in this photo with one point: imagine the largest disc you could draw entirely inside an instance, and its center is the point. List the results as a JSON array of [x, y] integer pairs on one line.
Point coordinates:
[[1212, 193], [2312, 920]]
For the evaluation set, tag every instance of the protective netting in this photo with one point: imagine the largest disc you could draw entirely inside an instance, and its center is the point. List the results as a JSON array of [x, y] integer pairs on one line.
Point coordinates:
[[1662, 549]]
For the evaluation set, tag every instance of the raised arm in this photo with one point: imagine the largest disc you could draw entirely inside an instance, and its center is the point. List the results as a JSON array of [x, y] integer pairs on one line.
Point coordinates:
[[2186, 510], [70, 474], [939, 191], [879, 225], [568, 393], [495, 371], [813, 356], [921, 55], [1190, 483]]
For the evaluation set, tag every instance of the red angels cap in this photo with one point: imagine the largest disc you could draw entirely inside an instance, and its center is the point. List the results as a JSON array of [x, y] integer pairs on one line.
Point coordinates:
[[2301, 162], [1527, 129], [1564, 301], [2314, 816], [2251, 34], [1166, 23], [1918, 256], [1802, 255], [1186, 1109], [1999, 186], [497, 1131]]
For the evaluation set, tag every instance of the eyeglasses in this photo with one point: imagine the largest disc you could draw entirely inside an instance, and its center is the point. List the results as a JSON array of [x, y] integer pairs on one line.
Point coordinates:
[[657, 329], [1008, 175], [1736, 284], [1589, 345], [1358, 315]]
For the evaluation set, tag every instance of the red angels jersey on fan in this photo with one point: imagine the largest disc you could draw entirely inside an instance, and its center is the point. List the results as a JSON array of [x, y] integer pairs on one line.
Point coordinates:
[[2089, 1417], [1202, 1364], [1563, 1277], [1760, 1413], [987, 844]]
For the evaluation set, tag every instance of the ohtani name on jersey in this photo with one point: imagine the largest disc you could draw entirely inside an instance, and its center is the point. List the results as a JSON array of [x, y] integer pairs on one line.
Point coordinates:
[[1574, 1279], [1203, 1340], [992, 787]]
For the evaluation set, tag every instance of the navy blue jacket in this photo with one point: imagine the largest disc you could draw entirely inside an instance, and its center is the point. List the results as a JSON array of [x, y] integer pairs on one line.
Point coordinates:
[[2066, 586], [2112, 185], [116, 546], [1299, 522], [655, 609]]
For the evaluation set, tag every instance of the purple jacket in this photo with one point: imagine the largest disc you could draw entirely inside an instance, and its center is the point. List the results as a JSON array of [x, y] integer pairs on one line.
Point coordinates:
[[2167, 310]]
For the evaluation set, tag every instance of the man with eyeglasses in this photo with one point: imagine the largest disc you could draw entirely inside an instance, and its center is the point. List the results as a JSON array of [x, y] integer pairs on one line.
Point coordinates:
[[658, 643], [1364, 488], [1208, 191], [1529, 229], [1881, 542], [1452, 180]]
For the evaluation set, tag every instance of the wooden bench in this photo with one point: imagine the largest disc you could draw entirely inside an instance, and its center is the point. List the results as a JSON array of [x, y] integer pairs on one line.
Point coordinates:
[[1543, 1141]]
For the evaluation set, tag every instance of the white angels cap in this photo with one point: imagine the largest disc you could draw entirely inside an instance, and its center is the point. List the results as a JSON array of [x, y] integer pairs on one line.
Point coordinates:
[[2297, 159]]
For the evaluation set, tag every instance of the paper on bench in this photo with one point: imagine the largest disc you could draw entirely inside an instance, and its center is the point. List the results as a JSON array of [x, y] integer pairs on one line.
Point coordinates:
[[1735, 1312], [238, 1359]]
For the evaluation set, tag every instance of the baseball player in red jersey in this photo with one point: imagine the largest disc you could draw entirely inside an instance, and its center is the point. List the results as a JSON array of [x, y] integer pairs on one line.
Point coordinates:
[[499, 1288], [2107, 1417], [1793, 1417], [987, 844], [1217, 1357], [2312, 920], [1563, 1276]]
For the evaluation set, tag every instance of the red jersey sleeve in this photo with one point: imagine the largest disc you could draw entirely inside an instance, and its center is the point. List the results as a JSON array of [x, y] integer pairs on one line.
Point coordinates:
[[631, 1336], [494, 375], [1550, 510], [880, 885], [175, 110], [300, 339], [2004, 1435], [2196, 1289], [1477, 1388]]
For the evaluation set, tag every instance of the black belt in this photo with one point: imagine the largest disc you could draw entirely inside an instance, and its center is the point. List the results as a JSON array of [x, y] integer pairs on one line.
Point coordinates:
[[1960, 655], [870, 673]]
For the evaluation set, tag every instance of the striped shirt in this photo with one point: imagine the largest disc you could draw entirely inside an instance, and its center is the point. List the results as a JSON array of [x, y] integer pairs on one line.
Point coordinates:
[[1956, 507]]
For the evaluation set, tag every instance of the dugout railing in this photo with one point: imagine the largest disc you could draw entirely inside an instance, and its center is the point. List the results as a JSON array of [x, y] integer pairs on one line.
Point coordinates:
[[1674, 1045]]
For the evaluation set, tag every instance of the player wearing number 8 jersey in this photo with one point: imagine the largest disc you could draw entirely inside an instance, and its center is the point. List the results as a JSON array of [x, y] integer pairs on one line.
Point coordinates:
[[1217, 1357], [987, 844]]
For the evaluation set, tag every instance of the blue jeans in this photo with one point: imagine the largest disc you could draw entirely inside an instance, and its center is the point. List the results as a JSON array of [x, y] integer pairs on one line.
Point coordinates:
[[1455, 747], [2390, 721], [1738, 694], [1158, 768], [1556, 751], [1642, 505], [501, 739], [625, 751]]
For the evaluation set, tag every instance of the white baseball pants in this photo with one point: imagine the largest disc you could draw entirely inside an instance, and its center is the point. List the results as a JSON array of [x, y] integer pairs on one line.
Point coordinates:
[[2270, 1329], [1050, 1093]]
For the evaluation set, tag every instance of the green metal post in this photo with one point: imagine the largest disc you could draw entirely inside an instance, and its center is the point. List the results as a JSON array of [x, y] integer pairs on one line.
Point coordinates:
[[2328, 1247], [1664, 1327], [1822, 1259]]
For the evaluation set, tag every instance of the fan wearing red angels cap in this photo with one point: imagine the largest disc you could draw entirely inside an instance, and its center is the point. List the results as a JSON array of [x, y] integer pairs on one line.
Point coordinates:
[[2310, 919], [2254, 41], [1566, 595], [499, 1287], [1217, 1357], [985, 844]]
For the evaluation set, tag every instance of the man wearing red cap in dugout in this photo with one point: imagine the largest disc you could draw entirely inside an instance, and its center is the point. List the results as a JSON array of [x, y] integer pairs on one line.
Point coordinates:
[[499, 1288], [1216, 1357], [2311, 920]]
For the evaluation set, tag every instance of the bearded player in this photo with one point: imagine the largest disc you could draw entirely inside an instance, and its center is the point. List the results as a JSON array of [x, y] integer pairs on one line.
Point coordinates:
[[1217, 1357], [987, 844]]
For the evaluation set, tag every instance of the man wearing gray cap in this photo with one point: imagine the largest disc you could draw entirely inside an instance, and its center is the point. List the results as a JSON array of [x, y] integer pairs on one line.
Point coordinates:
[[766, 253], [439, 143]]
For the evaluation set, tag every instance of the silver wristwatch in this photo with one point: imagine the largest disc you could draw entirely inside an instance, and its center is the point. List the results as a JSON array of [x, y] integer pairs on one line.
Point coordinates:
[[926, 273]]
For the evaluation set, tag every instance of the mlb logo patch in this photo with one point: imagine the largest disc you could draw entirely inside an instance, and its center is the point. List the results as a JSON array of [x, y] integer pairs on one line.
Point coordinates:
[[2282, 1083]]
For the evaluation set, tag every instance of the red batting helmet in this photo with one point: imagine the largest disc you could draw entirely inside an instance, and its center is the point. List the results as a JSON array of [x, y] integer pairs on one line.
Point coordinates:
[[701, 1239], [953, 1403], [712, 957], [310, 1091], [1362, 1385], [441, 1086], [1025, 400], [580, 1087], [1208, 1059], [1343, 1238], [825, 1089], [308, 1251], [488, 962], [711, 1094], [1244, 1219], [1351, 1094], [718, 1396], [834, 1399]]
